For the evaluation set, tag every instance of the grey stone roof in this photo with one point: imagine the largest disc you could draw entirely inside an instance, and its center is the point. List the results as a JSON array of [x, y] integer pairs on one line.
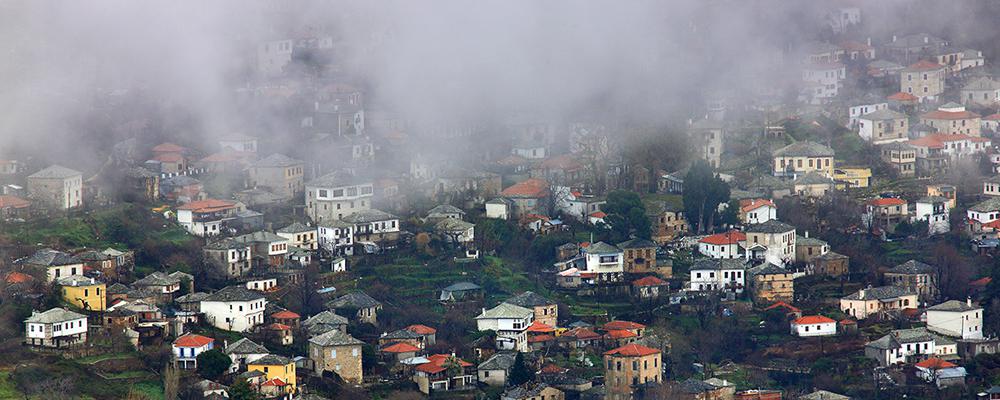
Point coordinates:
[[444, 209], [988, 205], [462, 286], [771, 226], [276, 160], [499, 361], [245, 346], [260, 237], [529, 299], [526, 391], [296, 227], [157, 279], [401, 334], [899, 337], [808, 241], [636, 243], [601, 248], [982, 83], [813, 178], [953, 305], [92, 255], [55, 172], [882, 115], [226, 244], [823, 395], [720, 264], [767, 269], [48, 258], [506, 310], [335, 337], [453, 225], [932, 199], [272, 359], [879, 293], [192, 297], [337, 179], [831, 255], [76, 280], [325, 317], [234, 293], [804, 149], [357, 300], [118, 288], [912, 267], [54, 315], [694, 386], [366, 216]]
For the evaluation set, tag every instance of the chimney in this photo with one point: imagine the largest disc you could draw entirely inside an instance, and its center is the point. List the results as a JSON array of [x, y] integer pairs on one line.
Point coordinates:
[[807, 234], [968, 301], [894, 38], [861, 294], [869, 41]]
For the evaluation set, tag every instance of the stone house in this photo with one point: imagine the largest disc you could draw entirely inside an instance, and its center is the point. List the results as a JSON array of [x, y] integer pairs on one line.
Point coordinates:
[[336, 351], [58, 187]]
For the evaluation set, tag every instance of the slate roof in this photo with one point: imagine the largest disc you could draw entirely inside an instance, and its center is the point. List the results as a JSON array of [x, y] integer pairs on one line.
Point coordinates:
[[823, 395], [767, 269], [357, 300], [499, 361], [272, 359], [901, 336], [812, 178], [879, 293], [48, 258], [809, 241], [506, 310], [54, 315], [526, 391], [453, 225], [401, 334], [771, 226], [831, 255], [276, 160], [445, 209], [296, 227], [912, 267], [804, 149], [226, 244], [118, 288], [601, 248], [55, 172], [234, 293], [337, 179], [260, 237], [325, 317], [529, 299], [462, 287], [636, 243], [157, 279], [366, 216], [953, 305], [720, 264], [335, 337], [882, 115], [988, 205]]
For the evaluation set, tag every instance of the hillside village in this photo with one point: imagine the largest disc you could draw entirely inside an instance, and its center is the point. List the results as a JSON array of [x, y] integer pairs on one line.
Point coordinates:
[[833, 235]]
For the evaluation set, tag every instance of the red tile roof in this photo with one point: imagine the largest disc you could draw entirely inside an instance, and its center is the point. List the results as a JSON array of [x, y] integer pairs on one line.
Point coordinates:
[[848, 321], [937, 140], [616, 325], [531, 188], [552, 369], [649, 281], [437, 362], [285, 314], [8, 201], [755, 204], [619, 334], [887, 201], [784, 305], [540, 338], [18, 277], [278, 327], [731, 237], [581, 334], [924, 65], [539, 327], [940, 114], [935, 363], [274, 382], [208, 205], [902, 96], [192, 340], [566, 162], [632, 350], [981, 281], [168, 147], [400, 348], [598, 214], [421, 329], [851, 45], [992, 117], [813, 319]]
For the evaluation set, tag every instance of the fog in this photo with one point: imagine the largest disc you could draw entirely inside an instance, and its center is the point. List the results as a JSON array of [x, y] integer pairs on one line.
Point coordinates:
[[79, 76]]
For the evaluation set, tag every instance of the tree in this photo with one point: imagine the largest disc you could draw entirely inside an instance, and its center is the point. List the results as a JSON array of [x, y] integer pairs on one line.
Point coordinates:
[[703, 192], [626, 214], [241, 390], [171, 382], [212, 363], [519, 372]]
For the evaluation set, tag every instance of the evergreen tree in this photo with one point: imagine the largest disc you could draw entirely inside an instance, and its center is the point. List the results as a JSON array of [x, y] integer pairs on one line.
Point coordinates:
[[519, 372]]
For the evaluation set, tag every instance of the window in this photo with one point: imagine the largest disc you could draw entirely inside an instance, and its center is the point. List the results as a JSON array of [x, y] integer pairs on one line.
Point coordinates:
[[323, 193]]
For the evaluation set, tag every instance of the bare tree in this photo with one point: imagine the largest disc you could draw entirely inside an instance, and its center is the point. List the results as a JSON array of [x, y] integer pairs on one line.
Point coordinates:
[[171, 382]]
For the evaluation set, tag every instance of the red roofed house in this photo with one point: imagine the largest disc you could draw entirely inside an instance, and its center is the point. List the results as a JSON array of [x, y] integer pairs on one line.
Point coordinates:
[[722, 245], [757, 211], [400, 351], [857, 51], [814, 325], [206, 217], [170, 157], [936, 151], [620, 325], [790, 311], [280, 333], [886, 212], [953, 119], [940, 372], [188, 347], [429, 334], [286, 317], [991, 123], [529, 197], [578, 338], [629, 366], [648, 288], [924, 79], [433, 376], [12, 207]]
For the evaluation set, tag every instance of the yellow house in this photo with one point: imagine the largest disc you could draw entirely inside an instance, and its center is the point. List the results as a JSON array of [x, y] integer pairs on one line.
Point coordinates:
[[275, 366], [83, 292], [852, 177]]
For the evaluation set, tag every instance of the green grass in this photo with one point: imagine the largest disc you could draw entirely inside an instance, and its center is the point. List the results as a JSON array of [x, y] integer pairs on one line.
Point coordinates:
[[102, 357], [152, 390], [7, 388]]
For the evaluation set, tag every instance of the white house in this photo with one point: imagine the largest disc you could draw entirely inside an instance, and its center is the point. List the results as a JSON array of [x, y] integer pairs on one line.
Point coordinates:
[[262, 284], [605, 261], [510, 322], [934, 211], [234, 308], [187, 348], [373, 225], [956, 319], [906, 346], [572, 203], [814, 325], [337, 195], [56, 327], [823, 81], [772, 241], [722, 245], [499, 208], [456, 231], [206, 217], [718, 275], [758, 211], [300, 235], [336, 237], [864, 107], [56, 263]]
